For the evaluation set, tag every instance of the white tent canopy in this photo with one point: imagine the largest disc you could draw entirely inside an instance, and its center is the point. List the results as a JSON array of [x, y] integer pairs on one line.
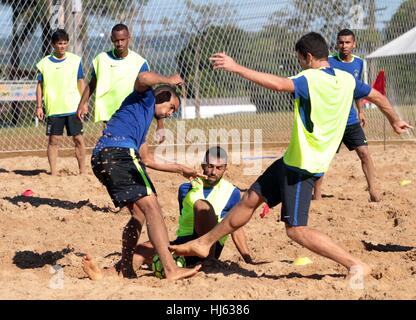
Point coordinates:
[[404, 44]]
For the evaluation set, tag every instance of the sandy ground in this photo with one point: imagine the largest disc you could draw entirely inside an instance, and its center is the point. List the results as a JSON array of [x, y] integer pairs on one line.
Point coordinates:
[[69, 215]]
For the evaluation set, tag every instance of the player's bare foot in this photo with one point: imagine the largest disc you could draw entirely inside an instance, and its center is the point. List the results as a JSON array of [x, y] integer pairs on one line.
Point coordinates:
[[375, 196], [182, 273], [191, 248], [91, 268]]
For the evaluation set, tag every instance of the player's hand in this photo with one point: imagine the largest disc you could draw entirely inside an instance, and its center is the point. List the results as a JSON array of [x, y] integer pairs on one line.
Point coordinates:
[[175, 80], [222, 61], [363, 120], [160, 136], [191, 174], [249, 260], [39, 114], [82, 111], [401, 126]]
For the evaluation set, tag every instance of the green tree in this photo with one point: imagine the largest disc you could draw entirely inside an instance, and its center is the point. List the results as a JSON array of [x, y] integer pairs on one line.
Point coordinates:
[[287, 25], [269, 50], [212, 83], [26, 15], [200, 18], [400, 69], [124, 11], [276, 45], [402, 21]]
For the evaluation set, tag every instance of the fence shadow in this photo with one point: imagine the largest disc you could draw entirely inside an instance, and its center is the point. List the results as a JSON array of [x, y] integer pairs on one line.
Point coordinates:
[[63, 204], [35, 172], [32, 260], [386, 247]]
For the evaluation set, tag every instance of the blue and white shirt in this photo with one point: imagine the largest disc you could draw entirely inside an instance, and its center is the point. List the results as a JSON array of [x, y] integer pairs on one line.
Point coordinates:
[[354, 67], [129, 125]]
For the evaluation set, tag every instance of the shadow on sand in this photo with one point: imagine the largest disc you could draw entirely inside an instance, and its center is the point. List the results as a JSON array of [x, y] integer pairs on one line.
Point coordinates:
[[31, 260], [63, 204], [29, 173]]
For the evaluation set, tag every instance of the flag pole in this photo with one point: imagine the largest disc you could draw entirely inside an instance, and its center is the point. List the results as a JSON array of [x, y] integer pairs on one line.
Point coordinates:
[[383, 87]]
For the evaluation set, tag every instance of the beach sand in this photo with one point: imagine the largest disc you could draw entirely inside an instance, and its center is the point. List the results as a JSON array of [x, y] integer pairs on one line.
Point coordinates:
[[43, 237]]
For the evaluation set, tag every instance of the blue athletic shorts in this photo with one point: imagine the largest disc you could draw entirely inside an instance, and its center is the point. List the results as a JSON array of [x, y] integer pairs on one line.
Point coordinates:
[[280, 184]]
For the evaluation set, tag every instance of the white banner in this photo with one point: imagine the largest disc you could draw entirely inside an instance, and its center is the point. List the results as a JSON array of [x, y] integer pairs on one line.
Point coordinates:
[[18, 91]]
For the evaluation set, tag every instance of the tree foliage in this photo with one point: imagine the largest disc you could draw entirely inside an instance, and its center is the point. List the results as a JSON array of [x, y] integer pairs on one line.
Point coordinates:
[[402, 21], [400, 70]]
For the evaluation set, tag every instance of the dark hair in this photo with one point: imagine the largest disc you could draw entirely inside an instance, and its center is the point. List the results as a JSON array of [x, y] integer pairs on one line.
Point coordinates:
[[314, 44], [60, 35], [217, 152], [346, 32], [119, 27], [164, 92]]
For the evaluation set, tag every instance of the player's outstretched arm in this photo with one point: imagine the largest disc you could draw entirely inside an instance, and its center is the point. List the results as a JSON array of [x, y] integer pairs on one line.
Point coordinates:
[[149, 161], [145, 80], [398, 125], [267, 80]]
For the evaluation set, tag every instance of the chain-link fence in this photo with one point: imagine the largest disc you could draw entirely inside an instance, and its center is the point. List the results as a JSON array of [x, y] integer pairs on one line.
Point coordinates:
[[179, 36]]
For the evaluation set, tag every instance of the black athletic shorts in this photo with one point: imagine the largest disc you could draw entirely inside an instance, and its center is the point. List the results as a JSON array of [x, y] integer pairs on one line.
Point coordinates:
[[280, 184], [191, 260], [123, 174], [354, 137], [55, 126]]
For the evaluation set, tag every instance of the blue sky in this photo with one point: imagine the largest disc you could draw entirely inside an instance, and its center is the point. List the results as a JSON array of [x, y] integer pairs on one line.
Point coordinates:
[[250, 15]]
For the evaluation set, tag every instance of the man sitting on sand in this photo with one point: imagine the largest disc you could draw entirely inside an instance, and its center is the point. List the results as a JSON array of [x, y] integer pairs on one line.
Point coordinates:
[[203, 203]]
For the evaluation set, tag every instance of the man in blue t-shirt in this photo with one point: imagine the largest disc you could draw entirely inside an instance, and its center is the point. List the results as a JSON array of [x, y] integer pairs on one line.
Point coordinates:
[[354, 137], [119, 161], [197, 217]]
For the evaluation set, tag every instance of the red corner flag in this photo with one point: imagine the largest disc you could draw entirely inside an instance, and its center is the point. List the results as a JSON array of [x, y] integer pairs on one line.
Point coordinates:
[[379, 84], [265, 211]]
